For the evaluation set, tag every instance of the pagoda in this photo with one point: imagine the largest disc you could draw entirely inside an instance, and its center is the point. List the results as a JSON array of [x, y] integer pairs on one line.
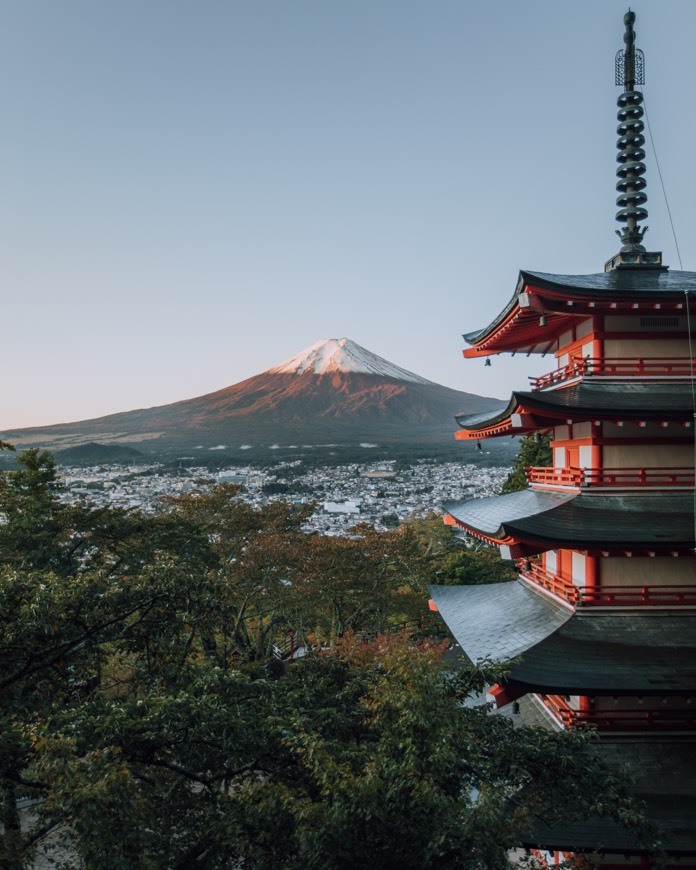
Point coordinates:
[[601, 621]]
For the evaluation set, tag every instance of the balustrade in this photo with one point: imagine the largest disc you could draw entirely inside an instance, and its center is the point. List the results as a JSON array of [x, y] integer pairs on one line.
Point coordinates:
[[633, 719], [617, 367], [632, 596], [622, 478]]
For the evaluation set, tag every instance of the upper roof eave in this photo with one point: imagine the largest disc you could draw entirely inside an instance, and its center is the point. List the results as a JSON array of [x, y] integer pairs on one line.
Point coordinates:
[[543, 519], [602, 400], [617, 285]]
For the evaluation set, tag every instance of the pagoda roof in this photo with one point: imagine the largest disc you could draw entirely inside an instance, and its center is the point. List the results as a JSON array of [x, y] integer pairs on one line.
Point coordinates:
[[567, 653], [600, 400], [619, 283], [665, 773], [540, 520], [627, 653], [564, 297], [498, 621]]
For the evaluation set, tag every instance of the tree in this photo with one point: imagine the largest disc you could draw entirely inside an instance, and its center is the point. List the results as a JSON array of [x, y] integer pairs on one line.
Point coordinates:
[[367, 757], [30, 536], [535, 450], [139, 711], [432, 552]]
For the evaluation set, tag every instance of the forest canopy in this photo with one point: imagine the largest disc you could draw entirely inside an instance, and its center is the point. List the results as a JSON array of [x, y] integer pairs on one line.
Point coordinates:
[[155, 712]]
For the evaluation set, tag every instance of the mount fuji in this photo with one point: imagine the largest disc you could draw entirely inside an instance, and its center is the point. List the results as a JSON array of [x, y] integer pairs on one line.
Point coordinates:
[[334, 391]]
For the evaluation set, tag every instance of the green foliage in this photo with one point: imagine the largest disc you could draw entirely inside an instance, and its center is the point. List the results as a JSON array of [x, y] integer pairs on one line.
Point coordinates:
[[30, 536], [141, 711], [436, 554], [475, 564], [367, 757], [535, 450], [275, 488]]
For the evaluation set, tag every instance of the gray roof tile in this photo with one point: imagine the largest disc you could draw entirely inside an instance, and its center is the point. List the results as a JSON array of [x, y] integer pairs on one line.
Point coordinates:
[[582, 519], [497, 620]]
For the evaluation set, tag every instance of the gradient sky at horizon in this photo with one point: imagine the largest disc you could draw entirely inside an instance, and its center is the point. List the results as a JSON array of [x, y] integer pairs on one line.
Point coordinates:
[[193, 192]]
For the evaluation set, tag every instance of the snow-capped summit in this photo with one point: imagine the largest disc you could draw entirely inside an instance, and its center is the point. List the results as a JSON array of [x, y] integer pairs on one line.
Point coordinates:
[[343, 355], [334, 392]]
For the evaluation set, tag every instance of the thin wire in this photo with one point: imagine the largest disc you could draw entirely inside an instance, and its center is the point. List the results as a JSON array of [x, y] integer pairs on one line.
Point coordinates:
[[686, 295], [662, 183]]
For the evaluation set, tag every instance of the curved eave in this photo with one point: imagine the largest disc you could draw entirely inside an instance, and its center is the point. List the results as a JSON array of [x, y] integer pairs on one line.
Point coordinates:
[[673, 813], [561, 652], [532, 521], [663, 778], [607, 655], [489, 519], [510, 419], [497, 621], [519, 332], [519, 425], [562, 298], [601, 400]]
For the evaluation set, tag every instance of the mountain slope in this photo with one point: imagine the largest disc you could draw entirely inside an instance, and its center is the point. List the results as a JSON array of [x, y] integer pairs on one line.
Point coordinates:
[[334, 391]]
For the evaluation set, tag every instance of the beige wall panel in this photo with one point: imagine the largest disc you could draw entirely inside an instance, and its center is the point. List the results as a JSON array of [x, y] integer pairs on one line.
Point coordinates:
[[631, 322], [644, 571], [584, 328], [582, 430], [649, 456], [565, 339], [585, 458], [652, 430], [578, 563], [646, 348]]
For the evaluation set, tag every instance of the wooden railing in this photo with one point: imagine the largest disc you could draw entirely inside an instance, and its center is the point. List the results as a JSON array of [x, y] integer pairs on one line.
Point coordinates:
[[634, 719], [617, 367], [623, 478], [608, 596], [559, 707], [638, 596], [533, 572]]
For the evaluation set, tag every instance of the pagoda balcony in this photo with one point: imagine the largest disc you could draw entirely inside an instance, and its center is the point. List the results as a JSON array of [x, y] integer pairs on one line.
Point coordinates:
[[636, 719], [626, 596], [533, 573], [676, 477], [616, 368]]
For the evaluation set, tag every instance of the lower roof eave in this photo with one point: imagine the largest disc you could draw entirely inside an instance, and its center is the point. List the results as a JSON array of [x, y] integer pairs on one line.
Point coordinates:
[[672, 814], [512, 689], [534, 520], [559, 652], [664, 772]]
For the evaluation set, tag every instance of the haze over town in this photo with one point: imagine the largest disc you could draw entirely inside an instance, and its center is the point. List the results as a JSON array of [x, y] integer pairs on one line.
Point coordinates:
[[194, 192]]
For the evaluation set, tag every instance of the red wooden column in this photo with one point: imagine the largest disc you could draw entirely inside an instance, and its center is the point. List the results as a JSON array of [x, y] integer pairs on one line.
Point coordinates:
[[592, 572]]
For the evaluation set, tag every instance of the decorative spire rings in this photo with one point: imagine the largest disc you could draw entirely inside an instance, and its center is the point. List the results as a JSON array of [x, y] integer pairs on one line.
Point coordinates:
[[630, 71]]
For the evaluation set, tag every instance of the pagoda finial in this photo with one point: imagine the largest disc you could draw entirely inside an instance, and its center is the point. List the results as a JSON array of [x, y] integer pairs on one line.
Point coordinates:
[[631, 140], [630, 73]]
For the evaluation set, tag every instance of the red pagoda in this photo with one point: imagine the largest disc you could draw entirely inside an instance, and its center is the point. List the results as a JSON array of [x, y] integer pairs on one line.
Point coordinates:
[[603, 613]]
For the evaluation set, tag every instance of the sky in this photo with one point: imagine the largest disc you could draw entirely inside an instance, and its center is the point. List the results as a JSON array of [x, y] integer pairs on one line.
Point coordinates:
[[192, 191]]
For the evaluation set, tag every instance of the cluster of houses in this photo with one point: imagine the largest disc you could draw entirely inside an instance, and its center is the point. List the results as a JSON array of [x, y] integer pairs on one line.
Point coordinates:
[[344, 494]]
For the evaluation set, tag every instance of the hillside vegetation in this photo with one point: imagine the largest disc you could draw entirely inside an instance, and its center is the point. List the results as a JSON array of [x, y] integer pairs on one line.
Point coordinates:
[[150, 715]]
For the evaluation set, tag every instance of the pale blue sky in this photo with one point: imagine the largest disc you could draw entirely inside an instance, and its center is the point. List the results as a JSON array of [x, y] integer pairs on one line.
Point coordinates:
[[192, 192]]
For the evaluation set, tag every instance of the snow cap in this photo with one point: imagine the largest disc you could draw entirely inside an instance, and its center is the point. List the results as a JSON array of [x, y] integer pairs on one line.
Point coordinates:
[[343, 355]]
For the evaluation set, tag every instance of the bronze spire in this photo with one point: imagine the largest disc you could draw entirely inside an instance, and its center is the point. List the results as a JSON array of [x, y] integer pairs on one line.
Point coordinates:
[[630, 73]]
